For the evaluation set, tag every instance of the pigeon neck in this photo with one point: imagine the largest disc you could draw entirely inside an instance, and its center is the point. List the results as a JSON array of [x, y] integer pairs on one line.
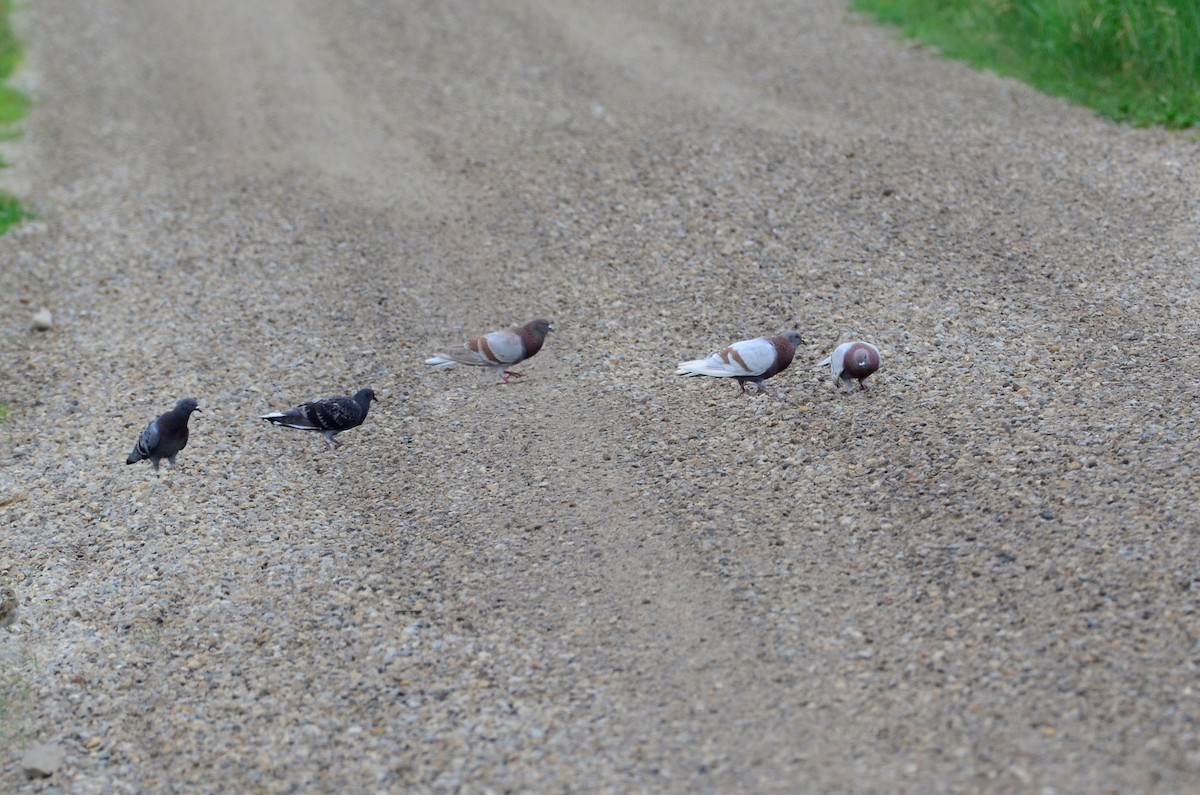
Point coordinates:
[[531, 339], [784, 350], [175, 419]]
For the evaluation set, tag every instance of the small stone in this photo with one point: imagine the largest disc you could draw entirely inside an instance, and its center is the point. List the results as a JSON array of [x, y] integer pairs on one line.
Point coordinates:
[[43, 760], [43, 320]]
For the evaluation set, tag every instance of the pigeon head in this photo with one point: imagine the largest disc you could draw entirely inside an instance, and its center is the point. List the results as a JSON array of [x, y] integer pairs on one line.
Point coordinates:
[[365, 396], [540, 328], [861, 360], [186, 406], [793, 337]]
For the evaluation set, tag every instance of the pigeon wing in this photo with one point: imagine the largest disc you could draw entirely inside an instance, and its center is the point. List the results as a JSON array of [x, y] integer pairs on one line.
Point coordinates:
[[493, 349], [507, 347], [837, 362], [147, 443], [331, 414], [747, 359]]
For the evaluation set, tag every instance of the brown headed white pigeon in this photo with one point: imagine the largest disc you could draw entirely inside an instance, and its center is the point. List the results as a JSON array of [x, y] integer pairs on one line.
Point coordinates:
[[852, 360], [748, 360], [498, 349], [327, 416], [165, 436]]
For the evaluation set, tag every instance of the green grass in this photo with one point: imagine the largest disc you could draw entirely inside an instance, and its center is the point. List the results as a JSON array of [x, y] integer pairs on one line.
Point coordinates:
[[1132, 60], [13, 107]]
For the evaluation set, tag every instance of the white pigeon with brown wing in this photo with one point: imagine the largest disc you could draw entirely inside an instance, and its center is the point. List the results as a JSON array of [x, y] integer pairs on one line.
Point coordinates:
[[747, 360], [497, 349]]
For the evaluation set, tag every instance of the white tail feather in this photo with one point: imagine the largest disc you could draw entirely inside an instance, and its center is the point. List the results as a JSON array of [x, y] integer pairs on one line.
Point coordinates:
[[704, 367], [441, 361]]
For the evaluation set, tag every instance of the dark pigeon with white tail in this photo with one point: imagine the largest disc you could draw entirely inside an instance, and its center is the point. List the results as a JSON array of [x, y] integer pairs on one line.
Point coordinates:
[[165, 436], [748, 360], [327, 416], [498, 349], [853, 360]]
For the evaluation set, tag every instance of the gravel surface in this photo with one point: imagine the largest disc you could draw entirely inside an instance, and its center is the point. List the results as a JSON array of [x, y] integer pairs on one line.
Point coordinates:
[[981, 575]]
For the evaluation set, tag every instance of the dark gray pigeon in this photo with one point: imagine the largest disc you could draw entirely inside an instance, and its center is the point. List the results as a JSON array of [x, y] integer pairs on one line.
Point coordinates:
[[165, 436], [330, 416]]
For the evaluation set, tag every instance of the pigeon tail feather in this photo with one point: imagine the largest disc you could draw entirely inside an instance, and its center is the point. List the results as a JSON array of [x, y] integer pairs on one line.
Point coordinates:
[[299, 423], [441, 362], [705, 367]]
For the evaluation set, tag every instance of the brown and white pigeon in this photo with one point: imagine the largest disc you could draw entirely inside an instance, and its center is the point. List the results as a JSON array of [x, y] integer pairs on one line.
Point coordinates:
[[498, 349], [748, 360], [327, 416], [165, 436], [852, 360]]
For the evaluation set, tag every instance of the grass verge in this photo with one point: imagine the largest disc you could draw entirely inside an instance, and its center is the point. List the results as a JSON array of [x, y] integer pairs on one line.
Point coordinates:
[[13, 107], [1136, 61]]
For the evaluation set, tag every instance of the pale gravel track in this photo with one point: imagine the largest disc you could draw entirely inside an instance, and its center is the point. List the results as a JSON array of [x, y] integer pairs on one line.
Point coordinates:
[[982, 576]]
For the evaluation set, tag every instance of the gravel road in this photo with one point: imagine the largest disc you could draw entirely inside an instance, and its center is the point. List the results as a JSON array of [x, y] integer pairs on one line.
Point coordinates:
[[981, 575]]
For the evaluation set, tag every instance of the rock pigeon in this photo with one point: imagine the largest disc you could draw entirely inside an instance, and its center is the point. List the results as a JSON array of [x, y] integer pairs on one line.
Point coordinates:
[[499, 349], [165, 436], [852, 360], [748, 360], [330, 416]]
